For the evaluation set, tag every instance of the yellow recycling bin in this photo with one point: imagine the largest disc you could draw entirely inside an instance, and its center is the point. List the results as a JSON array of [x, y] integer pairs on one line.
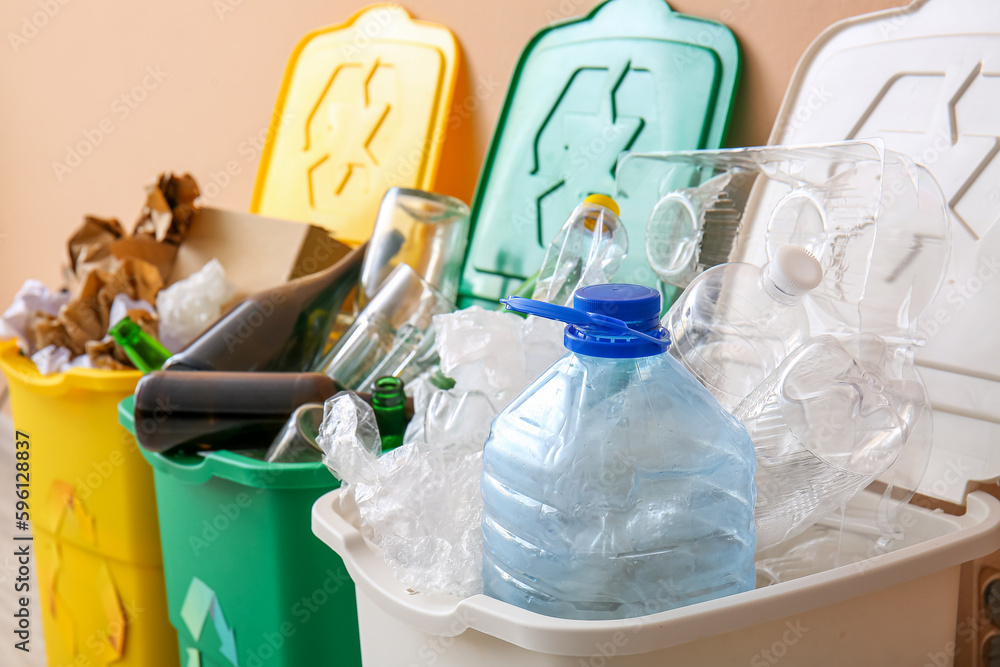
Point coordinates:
[[93, 518], [363, 107]]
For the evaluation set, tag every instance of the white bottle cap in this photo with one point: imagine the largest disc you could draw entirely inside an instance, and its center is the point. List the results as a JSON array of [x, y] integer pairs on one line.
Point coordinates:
[[795, 270]]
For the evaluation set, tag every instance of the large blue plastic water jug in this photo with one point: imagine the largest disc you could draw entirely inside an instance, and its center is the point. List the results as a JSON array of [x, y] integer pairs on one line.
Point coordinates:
[[616, 485]]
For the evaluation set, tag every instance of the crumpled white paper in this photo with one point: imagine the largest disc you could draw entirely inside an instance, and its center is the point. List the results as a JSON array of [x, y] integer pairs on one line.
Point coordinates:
[[190, 306], [32, 296], [122, 304], [54, 359]]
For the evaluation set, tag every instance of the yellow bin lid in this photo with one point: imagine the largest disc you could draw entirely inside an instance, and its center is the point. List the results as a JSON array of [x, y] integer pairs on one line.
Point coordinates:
[[362, 108]]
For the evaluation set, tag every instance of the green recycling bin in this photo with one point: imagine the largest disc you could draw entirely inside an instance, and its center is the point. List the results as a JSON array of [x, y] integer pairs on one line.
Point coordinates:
[[248, 584]]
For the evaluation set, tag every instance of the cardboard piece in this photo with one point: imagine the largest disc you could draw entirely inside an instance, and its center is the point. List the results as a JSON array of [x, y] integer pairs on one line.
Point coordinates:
[[258, 253], [172, 240], [160, 255]]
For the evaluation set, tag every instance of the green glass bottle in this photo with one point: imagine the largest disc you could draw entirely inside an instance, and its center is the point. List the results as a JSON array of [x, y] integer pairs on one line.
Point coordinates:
[[147, 353], [389, 402]]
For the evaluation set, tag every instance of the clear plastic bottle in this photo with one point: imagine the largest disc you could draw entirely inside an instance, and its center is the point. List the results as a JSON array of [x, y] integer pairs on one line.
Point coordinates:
[[735, 323], [615, 486], [831, 419], [588, 250]]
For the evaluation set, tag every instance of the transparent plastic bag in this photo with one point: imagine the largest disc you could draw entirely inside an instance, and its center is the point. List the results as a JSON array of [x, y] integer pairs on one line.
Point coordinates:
[[419, 505]]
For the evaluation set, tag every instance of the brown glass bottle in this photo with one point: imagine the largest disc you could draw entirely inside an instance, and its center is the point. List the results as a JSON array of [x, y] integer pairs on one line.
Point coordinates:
[[205, 411], [283, 329]]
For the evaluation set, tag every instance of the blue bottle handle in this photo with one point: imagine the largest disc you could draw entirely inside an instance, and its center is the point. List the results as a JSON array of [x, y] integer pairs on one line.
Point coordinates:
[[550, 311]]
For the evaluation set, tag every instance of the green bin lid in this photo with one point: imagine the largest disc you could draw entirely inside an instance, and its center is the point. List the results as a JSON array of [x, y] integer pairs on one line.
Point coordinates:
[[630, 76]]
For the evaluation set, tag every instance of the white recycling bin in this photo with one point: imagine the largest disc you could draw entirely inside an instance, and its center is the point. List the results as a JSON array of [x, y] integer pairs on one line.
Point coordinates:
[[896, 608], [925, 79]]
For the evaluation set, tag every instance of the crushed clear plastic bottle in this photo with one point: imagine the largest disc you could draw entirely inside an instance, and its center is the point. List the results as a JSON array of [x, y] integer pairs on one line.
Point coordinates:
[[616, 486], [588, 250], [735, 322]]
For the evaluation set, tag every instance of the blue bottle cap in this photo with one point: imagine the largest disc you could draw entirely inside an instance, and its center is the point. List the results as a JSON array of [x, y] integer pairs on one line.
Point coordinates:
[[637, 306], [616, 321]]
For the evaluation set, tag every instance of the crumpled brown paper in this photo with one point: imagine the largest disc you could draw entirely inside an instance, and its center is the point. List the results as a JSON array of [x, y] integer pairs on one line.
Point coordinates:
[[147, 321], [44, 330], [90, 245], [105, 354], [87, 315], [169, 209], [162, 226], [106, 263]]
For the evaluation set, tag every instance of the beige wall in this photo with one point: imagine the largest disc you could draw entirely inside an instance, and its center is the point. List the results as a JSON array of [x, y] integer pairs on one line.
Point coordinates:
[[219, 76]]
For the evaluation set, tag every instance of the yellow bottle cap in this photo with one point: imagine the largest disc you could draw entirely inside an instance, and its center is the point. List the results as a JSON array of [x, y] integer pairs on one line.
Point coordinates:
[[605, 201]]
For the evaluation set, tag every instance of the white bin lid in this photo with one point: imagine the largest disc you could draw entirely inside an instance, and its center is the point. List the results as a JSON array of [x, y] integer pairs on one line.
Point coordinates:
[[926, 79]]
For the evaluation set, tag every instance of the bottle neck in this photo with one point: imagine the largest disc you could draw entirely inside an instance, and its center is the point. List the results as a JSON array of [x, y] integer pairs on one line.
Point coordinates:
[[147, 353], [768, 286], [146, 356], [388, 394]]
